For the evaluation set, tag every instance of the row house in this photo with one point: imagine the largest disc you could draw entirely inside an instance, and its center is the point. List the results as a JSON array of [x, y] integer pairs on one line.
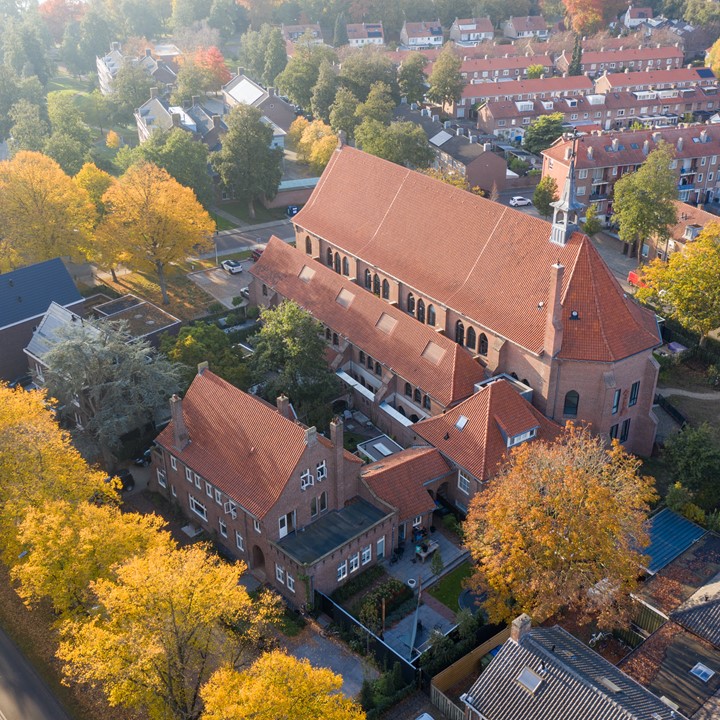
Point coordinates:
[[311, 32], [655, 80], [271, 492], [601, 159], [470, 31], [361, 34], [530, 26], [497, 69], [562, 323], [422, 35], [474, 95], [636, 59]]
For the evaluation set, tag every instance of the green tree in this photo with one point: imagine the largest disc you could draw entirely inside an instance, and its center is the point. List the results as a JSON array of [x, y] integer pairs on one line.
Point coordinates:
[[535, 71], [644, 204], [411, 78], [70, 48], [96, 33], [66, 118], [687, 285], [446, 82], [25, 50], [275, 57], [378, 106], [543, 132], [12, 90], [546, 192], [298, 78], [246, 163], [66, 151], [289, 359], [575, 67], [192, 79], [342, 112], [592, 224], [131, 88], [118, 385], [28, 131], [404, 143], [324, 91], [361, 70], [227, 17], [340, 36]]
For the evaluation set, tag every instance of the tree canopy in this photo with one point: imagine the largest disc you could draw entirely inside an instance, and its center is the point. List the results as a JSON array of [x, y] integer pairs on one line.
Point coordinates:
[[411, 78], [559, 527], [546, 192], [543, 132], [446, 82], [404, 143]]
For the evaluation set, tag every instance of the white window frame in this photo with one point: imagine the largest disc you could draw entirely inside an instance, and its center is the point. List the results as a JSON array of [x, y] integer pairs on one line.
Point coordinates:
[[290, 583], [355, 562], [306, 480], [223, 527], [256, 525], [280, 574], [198, 481], [208, 489], [342, 571], [417, 522], [380, 548], [173, 462], [321, 471], [366, 555], [464, 482], [196, 506], [582, 174], [161, 478], [239, 542], [188, 474], [218, 496], [173, 490]]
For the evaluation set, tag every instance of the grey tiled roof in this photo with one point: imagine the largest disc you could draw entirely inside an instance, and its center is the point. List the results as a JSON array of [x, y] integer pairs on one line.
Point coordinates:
[[701, 612], [576, 684]]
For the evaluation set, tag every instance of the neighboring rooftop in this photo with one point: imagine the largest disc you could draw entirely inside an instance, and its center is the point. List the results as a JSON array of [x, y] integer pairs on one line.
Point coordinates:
[[700, 613], [142, 317], [49, 330], [670, 535], [364, 31], [378, 448]]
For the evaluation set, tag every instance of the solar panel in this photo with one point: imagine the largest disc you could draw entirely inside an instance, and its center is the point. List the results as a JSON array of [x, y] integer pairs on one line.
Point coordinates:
[[705, 73]]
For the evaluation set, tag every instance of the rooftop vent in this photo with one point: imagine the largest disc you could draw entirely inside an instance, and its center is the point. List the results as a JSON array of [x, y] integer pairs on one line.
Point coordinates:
[[609, 685]]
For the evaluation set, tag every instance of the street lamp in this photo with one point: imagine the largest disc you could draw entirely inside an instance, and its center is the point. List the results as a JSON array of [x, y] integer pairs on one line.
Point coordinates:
[[215, 236]]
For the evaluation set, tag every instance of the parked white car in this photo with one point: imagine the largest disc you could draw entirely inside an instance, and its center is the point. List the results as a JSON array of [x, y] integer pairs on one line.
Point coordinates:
[[232, 266], [519, 200]]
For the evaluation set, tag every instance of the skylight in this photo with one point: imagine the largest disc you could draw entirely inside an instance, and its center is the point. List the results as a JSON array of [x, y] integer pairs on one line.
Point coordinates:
[[386, 323], [529, 679], [610, 685], [344, 298], [702, 671], [433, 353], [461, 423], [306, 274]]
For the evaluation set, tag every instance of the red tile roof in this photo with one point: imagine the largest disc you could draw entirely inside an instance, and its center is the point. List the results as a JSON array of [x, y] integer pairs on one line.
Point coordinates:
[[478, 25], [402, 349], [239, 443], [657, 78], [536, 23], [399, 479], [627, 53], [638, 13], [360, 31], [480, 447], [486, 261], [690, 215], [526, 88], [423, 29]]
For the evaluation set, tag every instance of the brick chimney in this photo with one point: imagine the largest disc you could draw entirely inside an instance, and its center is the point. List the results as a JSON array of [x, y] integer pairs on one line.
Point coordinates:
[[180, 433], [553, 321], [310, 436], [153, 93], [148, 52], [283, 406], [241, 71], [195, 100], [346, 486], [216, 121], [520, 627]]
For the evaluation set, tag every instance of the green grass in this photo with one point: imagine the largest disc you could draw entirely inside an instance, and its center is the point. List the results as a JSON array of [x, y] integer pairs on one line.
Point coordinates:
[[448, 589], [65, 82], [657, 467], [262, 214], [221, 223]]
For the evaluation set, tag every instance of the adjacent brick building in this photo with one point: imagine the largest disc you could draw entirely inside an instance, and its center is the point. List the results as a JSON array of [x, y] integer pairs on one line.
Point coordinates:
[[655, 80], [634, 59]]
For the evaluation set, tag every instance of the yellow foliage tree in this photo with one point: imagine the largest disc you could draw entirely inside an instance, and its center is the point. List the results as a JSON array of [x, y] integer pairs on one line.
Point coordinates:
[[559, 527], [316, 143], [70, 546], [38, 465], [296, 130], [277, 686], [151, 221], [112, 139], [96, 181], [713, 57], [163, 625], [43, 213]]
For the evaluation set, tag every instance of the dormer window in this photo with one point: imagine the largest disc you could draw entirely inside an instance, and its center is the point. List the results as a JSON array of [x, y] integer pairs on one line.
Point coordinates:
[[522, 437]]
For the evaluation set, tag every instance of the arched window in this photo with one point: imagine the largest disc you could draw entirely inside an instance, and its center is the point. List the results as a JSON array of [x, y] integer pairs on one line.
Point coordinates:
[[308, 245], [385, 290], [376, 284], [470, 338], [572, 400], [426, 402], [329, 257], [421, 310], [417, 396], [335, 339], [361, 357], [346, 266], [411, 303], [459, 333], [337, 263], [378, 368], [483, 344], [408, 389], [327, 333], [370, 362], [431, 315], [368, 280]]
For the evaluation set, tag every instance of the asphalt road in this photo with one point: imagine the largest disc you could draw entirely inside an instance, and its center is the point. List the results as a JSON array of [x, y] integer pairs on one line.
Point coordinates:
[[23, 695], [232, 241]]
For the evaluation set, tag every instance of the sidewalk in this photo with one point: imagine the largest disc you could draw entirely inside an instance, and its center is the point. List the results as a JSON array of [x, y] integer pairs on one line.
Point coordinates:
[[242, 225]]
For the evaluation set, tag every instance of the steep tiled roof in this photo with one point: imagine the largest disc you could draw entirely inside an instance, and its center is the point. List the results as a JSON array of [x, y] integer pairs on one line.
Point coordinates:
[[627, 53], [536, 23], [690, 215], [479, 447], [574, 683], [239, 443], [487, 261], [525, 88], [400, 479], [637, 13], [361, 31], [423, 29], [402, 348], [701, 612]]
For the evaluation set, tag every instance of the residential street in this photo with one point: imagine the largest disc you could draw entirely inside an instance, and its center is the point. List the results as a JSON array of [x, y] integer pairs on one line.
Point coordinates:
[[23, 695]]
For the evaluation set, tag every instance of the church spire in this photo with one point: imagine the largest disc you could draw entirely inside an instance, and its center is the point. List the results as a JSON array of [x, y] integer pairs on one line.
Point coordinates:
[[566, 209]]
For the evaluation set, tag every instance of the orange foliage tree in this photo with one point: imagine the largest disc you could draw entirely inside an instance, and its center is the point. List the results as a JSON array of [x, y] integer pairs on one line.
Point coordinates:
[[588, 16], [212, 60]]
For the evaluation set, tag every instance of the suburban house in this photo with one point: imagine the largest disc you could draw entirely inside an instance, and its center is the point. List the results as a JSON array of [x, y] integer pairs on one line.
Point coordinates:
[[636, 16], [293, 33], [544, 673], [457, 153], [655, 80], [25, 296], [603, 158], [562, 322], [270, 491], [108, 66], [470, 31], [531, 26], [416, 35], [361, 34], [634, 59], [243, 90], [692, 220]]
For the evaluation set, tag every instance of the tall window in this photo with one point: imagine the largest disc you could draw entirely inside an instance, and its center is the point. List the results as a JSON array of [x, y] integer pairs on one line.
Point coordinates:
[[470, 338], [417, 396], [329, 257], [337, 263], [376, 284], [323, 501], [197, 507], [385, 290], [483, 344], [421, 311], [370, 363], [616, 402], [634, 393], [378, 368], [346, 266], [572, 400], [411, 303], [426, 402], [625, 430], [308, 245], [431, 315], [368, 280], [313, 507], [459, 333], [342, 571], [408, 389], [464, 482], [335, 340], [361, 357]]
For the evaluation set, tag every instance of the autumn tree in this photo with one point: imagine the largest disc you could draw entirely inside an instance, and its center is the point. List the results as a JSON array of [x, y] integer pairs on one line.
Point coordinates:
[[71, 546], [588, 16], [277, 685], [246, 163], [411, 78], [192, 80], [453, 179], [164, 623], [592, 225], [213, 61], [535, 71], [575, 66], [546, 192], [404, 143], [688, 285], [152, 221], [342, 112], [43, 213], [644, 204], [559, 528], [446, 82], [96, 182], [543, 132], [314, 141]]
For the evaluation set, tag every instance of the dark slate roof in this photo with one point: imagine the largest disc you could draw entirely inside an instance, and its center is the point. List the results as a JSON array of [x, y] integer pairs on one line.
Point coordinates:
[[27, 293], [670, 535], [700, 613], [575, 683]]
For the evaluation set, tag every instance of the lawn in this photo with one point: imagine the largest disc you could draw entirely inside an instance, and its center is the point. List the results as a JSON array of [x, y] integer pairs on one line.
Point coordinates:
[[65, 82], [262, 214], [221, 223], [448, 589]]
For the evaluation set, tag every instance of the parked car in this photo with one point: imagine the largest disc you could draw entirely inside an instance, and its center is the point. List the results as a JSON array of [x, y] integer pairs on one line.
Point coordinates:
[[125, 477], [145, 459], [256, 254], [232, 266], [519, 200], [245, 292]]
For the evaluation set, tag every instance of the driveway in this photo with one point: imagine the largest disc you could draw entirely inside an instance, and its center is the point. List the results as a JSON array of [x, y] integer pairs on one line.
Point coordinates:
[[220, 285]]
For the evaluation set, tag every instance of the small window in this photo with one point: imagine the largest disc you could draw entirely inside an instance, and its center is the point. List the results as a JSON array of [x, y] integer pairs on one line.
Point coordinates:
[[328, 334], [173, 491], [464, 482], [368, 280], [329, 257], [162, 480], [378, 368], [616, 402], [426, 402], [218, 497], [256, 525], [408, 390], [198, 481], [173, 463], [264, 290], [223, 527], [459, 333], [385, 290], [308, 245], [702, 671], [370, 363], [188, 474], [290, 582], [417, 522], [345, 266], [572, 400], [366, 556], [337, 263], [321, 471], [279, 574], [208, 489], [582, 174], [361, 357], [625, 431], [380, 548], [431, 316], [483, 344], [634, 393], [239, 542], [470, 338], [417, 395], [421, 310], [342, 571], [335, 340], [313, 507], [354, 562], [323, 501], [411, 303], [376, 284], [614, 431], [306, 479], [197, 507]]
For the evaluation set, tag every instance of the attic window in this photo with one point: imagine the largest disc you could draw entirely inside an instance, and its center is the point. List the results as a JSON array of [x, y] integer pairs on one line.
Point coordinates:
[[529, 679], [610, 685], [386, 323], [306, 274], [433, 353], [702, 671], [344, 298], [461, 423], [522, 437]]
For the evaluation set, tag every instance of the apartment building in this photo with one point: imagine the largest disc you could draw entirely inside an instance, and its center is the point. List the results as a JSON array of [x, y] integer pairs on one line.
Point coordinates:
[[633, 59]]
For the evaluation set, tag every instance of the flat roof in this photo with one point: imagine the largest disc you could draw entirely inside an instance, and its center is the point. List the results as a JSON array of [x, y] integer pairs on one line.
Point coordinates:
[[379, 447], [331, 531], [670, 535]]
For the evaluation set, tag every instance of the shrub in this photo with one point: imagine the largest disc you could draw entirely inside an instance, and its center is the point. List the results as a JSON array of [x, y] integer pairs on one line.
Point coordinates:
[[215, 307], [358, 583], [252, 313], [394, 592]]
